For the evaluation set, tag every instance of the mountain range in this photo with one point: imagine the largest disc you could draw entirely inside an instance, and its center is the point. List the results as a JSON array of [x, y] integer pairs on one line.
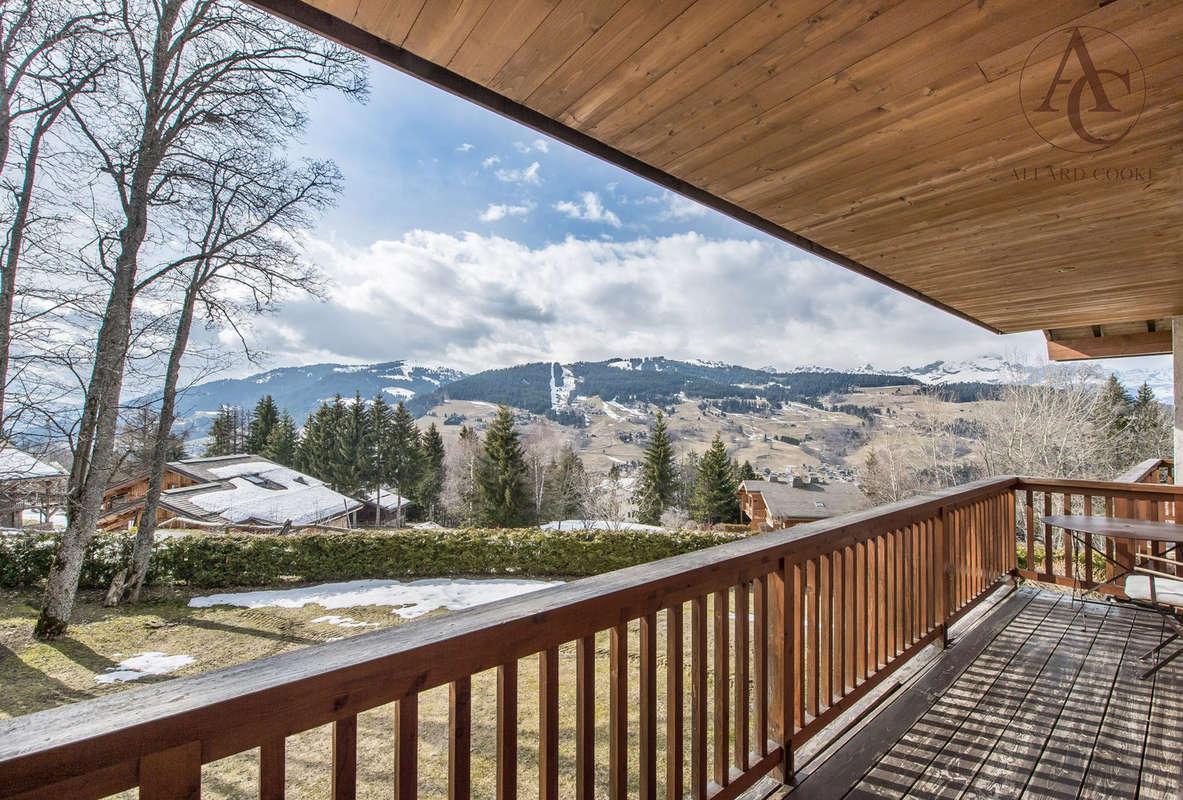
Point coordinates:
[[550, 387]]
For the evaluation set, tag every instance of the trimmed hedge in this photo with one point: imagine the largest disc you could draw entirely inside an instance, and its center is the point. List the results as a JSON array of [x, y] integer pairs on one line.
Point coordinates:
[[213, 560]]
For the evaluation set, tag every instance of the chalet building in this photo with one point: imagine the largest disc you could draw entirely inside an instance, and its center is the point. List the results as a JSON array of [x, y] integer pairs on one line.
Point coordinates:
[[231, 490], [774, 504], [382, 507], [27, 482]]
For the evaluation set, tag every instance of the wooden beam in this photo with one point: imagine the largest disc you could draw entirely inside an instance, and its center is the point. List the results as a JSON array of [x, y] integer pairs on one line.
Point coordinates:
[[1129, 344]]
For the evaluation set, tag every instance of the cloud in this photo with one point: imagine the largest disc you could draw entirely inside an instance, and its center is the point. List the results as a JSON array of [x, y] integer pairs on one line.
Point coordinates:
[[497, 211], [464, 148], [490, 161], [538, 145], [680, 209], [480, 301], [527, 175], [588, 208]]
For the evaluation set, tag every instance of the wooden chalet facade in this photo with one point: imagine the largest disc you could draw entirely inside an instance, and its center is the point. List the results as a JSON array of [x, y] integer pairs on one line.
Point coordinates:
[[773, 504], [224, 491]]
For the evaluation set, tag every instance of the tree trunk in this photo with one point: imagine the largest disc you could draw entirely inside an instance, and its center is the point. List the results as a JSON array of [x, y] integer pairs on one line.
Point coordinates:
[[16, 239], [129, 591]]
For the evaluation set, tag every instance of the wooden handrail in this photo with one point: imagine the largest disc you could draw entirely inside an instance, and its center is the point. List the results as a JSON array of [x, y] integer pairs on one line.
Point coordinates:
[[859, 593], [1148, 471]]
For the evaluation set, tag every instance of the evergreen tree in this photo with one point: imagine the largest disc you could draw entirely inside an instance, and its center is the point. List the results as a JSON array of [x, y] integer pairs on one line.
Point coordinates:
[[315, 454], [223, 433], [263, 421], [502, 493], [281, 442], [714, 496], [565, 483], [747, 472], [351, 450], [379, 420], [655, 488], [403, 456], [431, 485]]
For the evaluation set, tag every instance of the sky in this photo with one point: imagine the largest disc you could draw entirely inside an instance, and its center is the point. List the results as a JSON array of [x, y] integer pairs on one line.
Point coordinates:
[[465, 239]]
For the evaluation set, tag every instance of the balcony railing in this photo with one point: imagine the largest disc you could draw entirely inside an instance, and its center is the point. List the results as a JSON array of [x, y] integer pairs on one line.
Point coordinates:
[[786, 631]]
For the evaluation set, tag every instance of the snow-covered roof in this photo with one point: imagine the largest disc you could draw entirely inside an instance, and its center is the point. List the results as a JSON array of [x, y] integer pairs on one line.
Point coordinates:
[[17, 465], [390, 499], [255, 489]]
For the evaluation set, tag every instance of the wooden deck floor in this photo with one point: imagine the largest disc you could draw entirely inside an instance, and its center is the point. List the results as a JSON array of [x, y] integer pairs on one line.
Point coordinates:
[[1042, 698]]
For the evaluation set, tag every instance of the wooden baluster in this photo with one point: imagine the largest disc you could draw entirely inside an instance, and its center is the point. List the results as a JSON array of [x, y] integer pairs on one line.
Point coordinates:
[[908, 589], [618, 713], [698, 698], [173, 774], [813, 653], [899, 590], [460, 739], [345, 758], [1029, 511], [849, 631], [548, 724], [271, 770], [882, 599], [507, 732], [940, 571], [920, 627], [837, 626], [860, 610], [647, 754], [760, 634], [406, 749], [742, 696], [673, 704], [722, 719], [793, 666], [1048, 567], [825, 616], [1089, 580], [585, 718]]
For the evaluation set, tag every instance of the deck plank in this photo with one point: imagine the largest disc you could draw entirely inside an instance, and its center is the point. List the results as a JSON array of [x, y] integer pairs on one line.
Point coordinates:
[[1052, 706]]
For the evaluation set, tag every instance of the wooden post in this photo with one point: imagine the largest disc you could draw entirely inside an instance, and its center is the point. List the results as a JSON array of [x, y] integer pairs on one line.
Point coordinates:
[[1177, 347]]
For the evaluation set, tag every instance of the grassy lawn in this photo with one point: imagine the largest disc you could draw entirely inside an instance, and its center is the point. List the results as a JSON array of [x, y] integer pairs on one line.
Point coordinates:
[[36, 676]]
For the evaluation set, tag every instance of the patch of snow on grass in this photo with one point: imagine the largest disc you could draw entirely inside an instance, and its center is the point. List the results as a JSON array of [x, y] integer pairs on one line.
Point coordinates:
[[399, 391], [620, 407], [599, 525], [409, 599], [136, 667], [344, 622]]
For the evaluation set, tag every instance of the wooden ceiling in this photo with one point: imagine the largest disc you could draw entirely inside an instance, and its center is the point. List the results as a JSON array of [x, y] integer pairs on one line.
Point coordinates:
[[900, 139]]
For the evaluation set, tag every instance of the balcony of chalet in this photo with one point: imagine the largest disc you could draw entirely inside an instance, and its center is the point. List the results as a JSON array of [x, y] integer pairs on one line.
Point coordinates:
[[935, 647], [909, 650]]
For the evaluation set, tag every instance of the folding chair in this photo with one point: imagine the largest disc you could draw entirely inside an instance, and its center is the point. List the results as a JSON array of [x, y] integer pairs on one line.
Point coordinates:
[[1164, 593]]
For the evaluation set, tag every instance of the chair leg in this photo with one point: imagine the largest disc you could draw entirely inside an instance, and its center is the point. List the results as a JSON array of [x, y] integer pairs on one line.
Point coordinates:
[[1163, 662], [1160, 646]]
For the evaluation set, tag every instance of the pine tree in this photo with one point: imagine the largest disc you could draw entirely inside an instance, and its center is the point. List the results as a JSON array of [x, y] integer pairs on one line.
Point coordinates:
[[223, 433], [351, 456], [655, 488], [404, 457], [502, 494], [379, 420], [747, 472], [281, 442], [263, 421], [316, 453], [714, 496], [431, 484], [566, 479]]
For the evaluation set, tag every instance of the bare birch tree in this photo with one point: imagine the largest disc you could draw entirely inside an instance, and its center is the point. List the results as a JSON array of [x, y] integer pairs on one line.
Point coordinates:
[[191, 78], [244, 214]]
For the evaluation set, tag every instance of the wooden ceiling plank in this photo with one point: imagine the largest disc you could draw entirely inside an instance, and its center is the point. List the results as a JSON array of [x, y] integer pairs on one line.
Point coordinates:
[[969, 31], [688, 33], [634, 24], [933, 126], [442, 27], [501, 33], [752, 44], [565, 29], [758, 103], [1134, 344], [387, 19], [927, 162]]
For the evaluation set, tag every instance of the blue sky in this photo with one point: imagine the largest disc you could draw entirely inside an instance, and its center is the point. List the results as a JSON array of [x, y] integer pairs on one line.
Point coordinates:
[[465, 239]]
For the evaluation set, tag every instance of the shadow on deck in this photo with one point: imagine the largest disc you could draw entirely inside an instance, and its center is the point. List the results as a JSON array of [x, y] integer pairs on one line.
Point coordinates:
[[1041, 698]]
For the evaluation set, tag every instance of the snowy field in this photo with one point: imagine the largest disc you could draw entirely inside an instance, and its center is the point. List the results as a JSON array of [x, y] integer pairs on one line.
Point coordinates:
[[407, 599]]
